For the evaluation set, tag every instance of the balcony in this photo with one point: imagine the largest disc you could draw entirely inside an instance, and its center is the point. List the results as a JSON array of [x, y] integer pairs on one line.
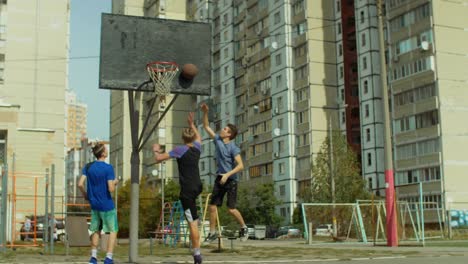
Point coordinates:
[[299, 40], [299, 17]]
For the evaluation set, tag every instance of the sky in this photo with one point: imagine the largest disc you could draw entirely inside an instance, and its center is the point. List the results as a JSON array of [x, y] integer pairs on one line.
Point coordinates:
[[85, 31]]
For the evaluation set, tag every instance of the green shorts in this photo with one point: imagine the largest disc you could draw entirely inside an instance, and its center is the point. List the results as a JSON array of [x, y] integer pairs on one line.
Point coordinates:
[[105, 221]]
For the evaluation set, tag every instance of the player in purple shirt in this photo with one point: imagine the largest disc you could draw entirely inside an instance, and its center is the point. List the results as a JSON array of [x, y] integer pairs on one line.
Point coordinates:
[[187, 156]]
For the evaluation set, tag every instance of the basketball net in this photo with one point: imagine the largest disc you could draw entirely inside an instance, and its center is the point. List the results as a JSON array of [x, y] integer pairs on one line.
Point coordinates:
[[162, 73]]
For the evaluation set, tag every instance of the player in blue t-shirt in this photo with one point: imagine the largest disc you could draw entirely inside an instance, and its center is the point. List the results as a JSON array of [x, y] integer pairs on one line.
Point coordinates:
[[187, 156], [101, 183], [229, 163]]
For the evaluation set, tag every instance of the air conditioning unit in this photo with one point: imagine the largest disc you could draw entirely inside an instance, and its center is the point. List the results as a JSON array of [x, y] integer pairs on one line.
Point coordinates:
[[276, 154]]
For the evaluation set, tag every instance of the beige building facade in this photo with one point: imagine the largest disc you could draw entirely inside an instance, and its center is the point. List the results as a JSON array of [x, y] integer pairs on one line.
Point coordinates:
[[428, 77], [34, 47]]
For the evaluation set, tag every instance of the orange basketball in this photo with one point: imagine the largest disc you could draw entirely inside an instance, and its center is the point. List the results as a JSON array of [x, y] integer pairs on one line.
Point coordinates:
[[189, 71]]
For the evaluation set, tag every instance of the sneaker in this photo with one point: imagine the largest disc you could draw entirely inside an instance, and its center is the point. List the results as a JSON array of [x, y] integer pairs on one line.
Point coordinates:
[[92, 260], [210, 238], [108, 261], [243, 234], [197, 259]]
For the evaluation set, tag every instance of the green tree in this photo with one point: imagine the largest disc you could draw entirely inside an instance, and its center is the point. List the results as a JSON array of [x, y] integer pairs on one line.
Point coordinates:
[[149, 208], [349, 184]]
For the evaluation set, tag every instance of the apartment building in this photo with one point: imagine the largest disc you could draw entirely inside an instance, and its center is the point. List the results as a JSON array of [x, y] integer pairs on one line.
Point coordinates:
[[33, 79], [75, 120], [359, 89], [428, 77], [169, 130], [274, 76]]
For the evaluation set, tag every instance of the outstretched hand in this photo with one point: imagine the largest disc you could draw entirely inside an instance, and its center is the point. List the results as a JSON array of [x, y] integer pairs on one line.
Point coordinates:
[[156, 148], [190, 118], [204, 108]]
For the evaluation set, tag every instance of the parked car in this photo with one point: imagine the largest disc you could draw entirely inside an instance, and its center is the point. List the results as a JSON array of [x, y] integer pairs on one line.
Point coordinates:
[[251, 231], [288, 232], [324, 230], [59, 229]]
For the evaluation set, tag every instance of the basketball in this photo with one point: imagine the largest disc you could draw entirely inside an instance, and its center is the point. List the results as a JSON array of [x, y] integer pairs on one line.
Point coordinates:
[[189, 71]]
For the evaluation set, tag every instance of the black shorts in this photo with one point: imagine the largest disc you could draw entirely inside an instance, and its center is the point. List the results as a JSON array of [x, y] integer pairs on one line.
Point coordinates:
[[230, 187], [189, 204]]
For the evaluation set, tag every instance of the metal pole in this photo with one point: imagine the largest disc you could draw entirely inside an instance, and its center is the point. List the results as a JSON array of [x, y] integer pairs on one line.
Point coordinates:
[[46, 214], [422, 212], [135, 180], [162, 193], [392, 239], [3, 210], [13, 201], [332, 177], [52, 207]]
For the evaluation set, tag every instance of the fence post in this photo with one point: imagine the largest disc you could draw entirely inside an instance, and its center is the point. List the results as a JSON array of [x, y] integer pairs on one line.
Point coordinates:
[[3, 209], [45, 235], [309, 236], [52, 208]]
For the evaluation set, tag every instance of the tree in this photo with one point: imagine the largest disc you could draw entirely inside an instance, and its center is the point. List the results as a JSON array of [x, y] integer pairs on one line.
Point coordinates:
[[349, 184], [150, 208]]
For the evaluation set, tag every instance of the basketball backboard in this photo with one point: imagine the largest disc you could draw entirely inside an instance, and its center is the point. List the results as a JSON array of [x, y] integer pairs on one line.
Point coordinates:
[[128, 43]]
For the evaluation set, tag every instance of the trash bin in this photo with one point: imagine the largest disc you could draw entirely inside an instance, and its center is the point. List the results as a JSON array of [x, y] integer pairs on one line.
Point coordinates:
[[260, 231]]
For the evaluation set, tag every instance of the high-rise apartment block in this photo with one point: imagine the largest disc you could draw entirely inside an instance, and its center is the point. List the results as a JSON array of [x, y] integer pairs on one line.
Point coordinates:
[[76, 120], [33, 79]]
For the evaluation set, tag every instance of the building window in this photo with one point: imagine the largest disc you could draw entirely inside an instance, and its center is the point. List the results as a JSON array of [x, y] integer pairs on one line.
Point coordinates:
[[340, 50], [339, 28], [282, 190], [280, 146], [366, 109], [338, 6], [280, 123], [277, 18], [226, 53], [281, 167], [343, 117], [368, 135], [278, 80], [226, 70], [363, 39], [278, 59], [283, 212], [366, 87], [341, 72], [369, 159], [369, 180], [362, 17], [226, 88], [364, 63], [202, 166], [342, 96]]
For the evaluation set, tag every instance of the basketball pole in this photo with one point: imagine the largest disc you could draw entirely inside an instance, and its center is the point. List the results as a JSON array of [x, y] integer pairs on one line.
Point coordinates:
[[392, 237], [137, 146]]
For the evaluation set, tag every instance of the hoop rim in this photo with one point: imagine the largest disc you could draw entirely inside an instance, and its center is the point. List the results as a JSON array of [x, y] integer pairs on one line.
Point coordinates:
[[152, 65]]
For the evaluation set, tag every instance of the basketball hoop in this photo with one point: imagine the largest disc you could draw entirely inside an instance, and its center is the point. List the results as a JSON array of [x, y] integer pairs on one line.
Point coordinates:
[[162, 73]]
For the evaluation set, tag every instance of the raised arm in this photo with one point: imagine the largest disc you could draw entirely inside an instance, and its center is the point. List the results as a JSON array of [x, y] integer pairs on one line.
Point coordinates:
[[193, 127], [206, 122]]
